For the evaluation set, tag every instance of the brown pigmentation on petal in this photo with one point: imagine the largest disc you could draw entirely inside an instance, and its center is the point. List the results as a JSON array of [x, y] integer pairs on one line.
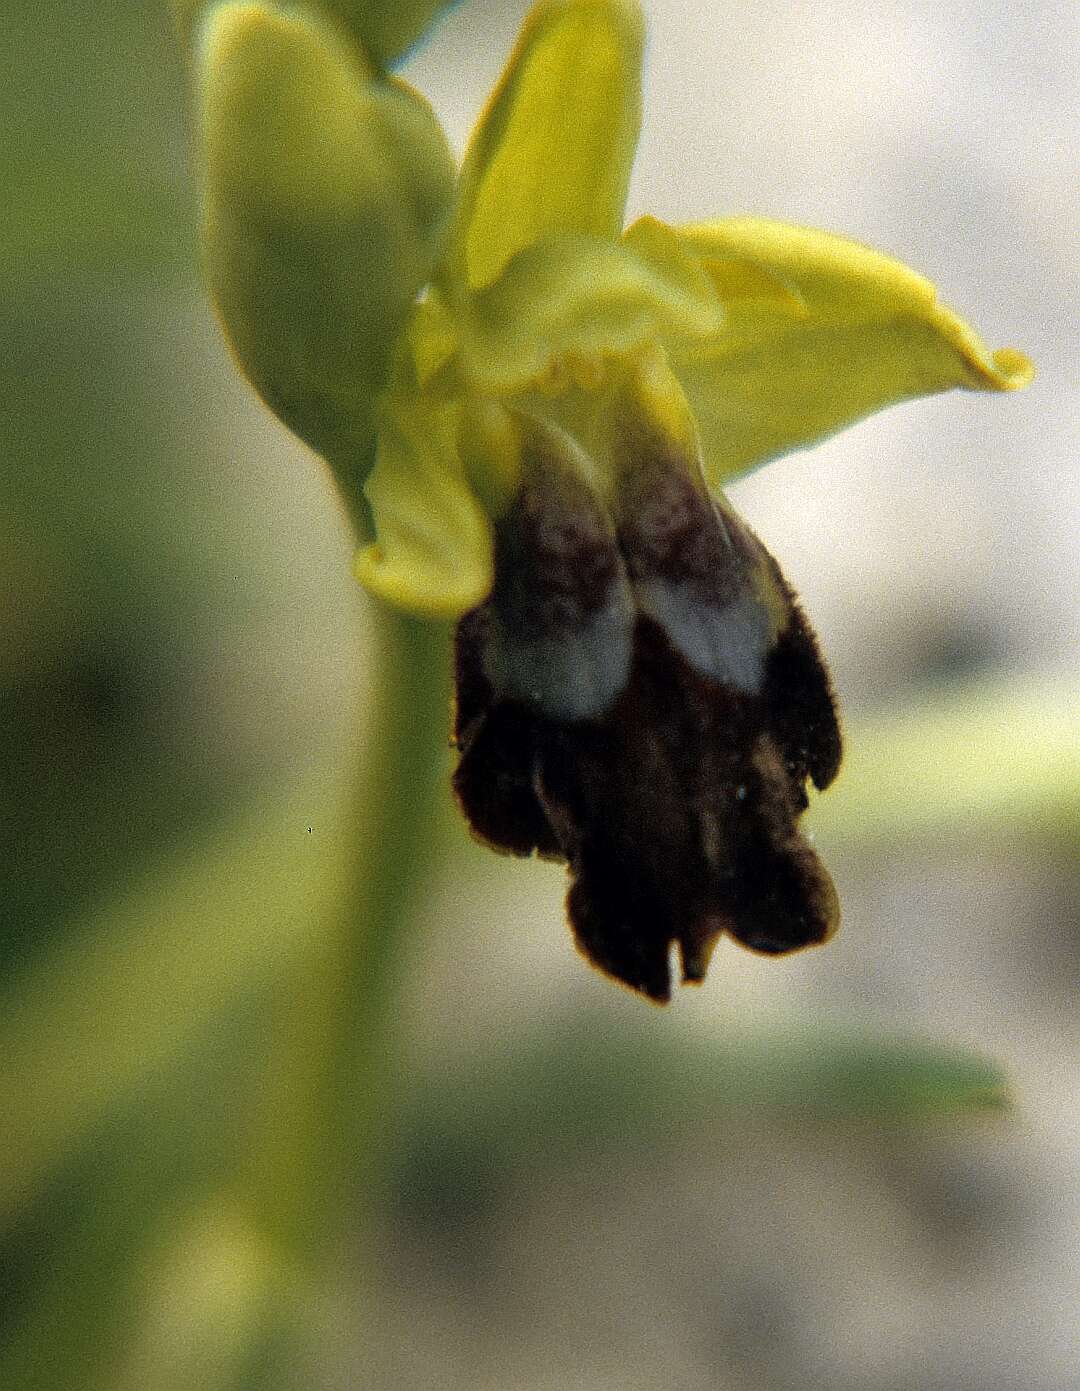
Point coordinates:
[[498, 740]]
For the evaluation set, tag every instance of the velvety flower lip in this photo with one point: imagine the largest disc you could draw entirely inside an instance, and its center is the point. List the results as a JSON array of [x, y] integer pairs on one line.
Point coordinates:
[[640, 697], [532, 412]]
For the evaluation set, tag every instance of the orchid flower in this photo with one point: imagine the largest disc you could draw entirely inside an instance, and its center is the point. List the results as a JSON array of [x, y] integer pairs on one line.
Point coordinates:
[[532, 413]]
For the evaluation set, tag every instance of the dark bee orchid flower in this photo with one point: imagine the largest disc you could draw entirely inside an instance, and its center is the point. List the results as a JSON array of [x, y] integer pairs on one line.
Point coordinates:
[[640, 696], [541, 410]]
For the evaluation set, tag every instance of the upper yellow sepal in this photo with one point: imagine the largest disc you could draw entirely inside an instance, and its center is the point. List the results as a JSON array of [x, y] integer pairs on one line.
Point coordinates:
[[553, 149]]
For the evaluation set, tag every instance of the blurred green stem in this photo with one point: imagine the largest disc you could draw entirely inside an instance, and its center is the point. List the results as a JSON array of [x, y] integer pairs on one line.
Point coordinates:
[[334, 1062]]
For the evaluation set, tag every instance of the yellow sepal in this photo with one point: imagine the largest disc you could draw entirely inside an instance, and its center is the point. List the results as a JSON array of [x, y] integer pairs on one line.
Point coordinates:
[[820, 331]]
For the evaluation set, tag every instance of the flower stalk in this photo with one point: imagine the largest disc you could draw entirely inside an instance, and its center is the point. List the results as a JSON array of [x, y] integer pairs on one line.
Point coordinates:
[[334, 1068]]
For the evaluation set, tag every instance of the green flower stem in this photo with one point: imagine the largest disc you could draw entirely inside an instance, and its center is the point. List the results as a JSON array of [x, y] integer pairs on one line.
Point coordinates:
[[228, 1035], [334, 1065]]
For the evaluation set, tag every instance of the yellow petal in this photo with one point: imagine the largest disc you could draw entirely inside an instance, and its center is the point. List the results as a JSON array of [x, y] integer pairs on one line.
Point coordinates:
[[325, 196], [553, 149], [820, 331], [432, 550], [583, 298]]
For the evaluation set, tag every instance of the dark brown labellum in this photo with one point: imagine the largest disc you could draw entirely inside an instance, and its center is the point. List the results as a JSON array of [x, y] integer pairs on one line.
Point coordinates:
[[641, 697]]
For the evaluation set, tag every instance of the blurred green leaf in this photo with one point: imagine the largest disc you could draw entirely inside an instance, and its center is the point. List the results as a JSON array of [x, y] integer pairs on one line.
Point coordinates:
[[175, 1089], [969, 763], [595, 1083], [93, 159], [128, 572], [137, 1263], [96, 1016]]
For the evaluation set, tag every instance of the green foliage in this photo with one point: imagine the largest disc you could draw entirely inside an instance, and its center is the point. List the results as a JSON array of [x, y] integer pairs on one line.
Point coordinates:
[[583, 1087], [387, 28], [191, 1081], [384, 29], [965, 765], [143, 1060], [93, 179]]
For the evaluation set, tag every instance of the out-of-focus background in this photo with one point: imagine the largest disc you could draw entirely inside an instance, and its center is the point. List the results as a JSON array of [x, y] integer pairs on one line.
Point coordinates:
[[746, 1190]]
